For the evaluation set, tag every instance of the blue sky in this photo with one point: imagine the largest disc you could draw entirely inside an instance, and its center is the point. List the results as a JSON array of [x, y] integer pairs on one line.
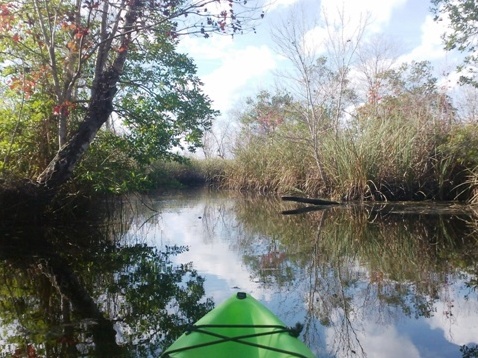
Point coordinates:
[[233, 69]]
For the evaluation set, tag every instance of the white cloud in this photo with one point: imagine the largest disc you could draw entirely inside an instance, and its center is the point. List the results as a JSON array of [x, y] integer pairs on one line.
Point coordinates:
[[228, 66], [232, 69], [315, 39], [205, 49], [238, 69], [348, 18], [275, 4], [211, 256], [431, 45], [431, 49], [377, 340], [222, 267], [387, 342], [380, 11], [457, 318]]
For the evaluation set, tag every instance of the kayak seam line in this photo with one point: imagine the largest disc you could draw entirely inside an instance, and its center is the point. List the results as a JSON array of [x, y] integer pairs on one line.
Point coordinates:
[[237, 339], [193, 328]]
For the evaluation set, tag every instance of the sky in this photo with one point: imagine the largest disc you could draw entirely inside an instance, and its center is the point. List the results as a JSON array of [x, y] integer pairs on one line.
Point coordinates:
[[234, 69]]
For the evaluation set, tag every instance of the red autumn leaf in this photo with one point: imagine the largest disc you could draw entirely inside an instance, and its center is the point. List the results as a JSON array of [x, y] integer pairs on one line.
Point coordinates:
[[4, 10], [57, 110]]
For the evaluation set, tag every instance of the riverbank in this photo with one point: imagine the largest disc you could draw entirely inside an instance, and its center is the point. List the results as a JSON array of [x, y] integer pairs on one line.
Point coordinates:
[[22, 200]]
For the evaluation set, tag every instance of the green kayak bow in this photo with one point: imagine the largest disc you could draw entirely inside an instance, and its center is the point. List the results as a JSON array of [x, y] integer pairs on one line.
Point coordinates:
[[239, 327]]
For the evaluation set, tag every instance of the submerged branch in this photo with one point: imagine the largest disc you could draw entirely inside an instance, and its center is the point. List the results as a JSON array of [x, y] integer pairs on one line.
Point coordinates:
[[310, 200], [305, 210]]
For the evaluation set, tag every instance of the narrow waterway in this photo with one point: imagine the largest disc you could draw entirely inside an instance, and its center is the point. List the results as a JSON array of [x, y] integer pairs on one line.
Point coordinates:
[[384, 280]]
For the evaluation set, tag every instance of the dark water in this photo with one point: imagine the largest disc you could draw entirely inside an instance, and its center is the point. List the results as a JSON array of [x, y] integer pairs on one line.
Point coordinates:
[[366, 281]]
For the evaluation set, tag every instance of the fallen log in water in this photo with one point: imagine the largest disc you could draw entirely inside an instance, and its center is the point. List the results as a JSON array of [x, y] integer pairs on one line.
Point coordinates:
[[310, 200], [305, 209]]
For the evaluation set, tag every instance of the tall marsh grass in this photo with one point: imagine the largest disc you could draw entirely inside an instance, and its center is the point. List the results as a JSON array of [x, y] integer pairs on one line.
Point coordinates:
[[376, 159], [381, 160], [472, 183], [271, 165]]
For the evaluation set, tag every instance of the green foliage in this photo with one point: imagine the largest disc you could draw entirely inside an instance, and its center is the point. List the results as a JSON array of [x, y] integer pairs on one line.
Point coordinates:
[[25, 135], [138, 288], [157, 294], [161, 104], [408, 257], [404, 144], [189, 173], [111, 168], [409, 92], [415, 79], [265, 113], [469, 351], [461, 144], [46, 68], [108, 168], [160, 109], [462, 33], [458, 158], [266, 158], [55, 55]]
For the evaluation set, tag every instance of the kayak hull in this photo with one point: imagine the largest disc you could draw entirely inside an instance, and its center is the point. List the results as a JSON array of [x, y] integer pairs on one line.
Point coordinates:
[[239, 327]]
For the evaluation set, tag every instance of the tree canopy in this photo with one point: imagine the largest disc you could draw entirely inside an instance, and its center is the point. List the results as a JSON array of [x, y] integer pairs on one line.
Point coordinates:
[[462, 33], [70, 66]]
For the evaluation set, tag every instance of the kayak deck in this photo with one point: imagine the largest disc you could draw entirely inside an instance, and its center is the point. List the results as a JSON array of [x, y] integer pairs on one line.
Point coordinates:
[[239, 327]]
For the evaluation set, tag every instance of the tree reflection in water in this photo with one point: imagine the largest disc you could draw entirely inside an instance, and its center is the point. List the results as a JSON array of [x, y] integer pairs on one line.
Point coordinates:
[[363, 264], [348, 273], [82, 293]]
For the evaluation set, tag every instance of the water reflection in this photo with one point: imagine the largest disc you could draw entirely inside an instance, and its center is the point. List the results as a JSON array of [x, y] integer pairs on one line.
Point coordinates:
[[84, 292], [375, 281], [366, 281], [372, 275]]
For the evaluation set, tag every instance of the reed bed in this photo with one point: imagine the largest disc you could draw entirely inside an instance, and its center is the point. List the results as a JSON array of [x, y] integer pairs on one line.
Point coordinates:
[[398, 252], [379, 159], [472, 183], [272, 166]]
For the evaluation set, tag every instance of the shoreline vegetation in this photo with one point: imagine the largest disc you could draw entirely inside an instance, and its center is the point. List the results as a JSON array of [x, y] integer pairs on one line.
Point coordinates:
[[389, 164], [348, 125], [264, 173]]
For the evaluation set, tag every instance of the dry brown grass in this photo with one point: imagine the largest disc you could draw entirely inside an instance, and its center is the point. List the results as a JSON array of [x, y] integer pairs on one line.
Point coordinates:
[[399, 159]]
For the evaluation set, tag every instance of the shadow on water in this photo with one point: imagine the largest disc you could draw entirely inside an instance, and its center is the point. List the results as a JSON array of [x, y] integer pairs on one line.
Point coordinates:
[[88, 291]]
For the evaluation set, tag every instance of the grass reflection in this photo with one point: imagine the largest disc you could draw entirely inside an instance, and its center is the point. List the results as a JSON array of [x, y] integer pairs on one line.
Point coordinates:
[[362, 263]]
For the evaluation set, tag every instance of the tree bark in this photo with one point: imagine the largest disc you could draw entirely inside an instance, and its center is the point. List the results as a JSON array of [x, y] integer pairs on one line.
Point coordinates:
[[61, 167], [100, 107], [305, 209]]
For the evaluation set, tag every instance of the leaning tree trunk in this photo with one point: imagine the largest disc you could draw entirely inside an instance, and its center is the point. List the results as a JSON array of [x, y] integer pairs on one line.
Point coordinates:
[[29, 200], [100, 107], [61, 167]]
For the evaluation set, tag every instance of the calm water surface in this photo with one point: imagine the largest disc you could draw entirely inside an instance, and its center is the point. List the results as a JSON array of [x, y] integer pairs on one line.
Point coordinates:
[[366, 281]]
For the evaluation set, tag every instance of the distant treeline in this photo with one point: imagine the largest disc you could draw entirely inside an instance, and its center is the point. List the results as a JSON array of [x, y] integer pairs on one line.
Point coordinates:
[[407, 144]]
